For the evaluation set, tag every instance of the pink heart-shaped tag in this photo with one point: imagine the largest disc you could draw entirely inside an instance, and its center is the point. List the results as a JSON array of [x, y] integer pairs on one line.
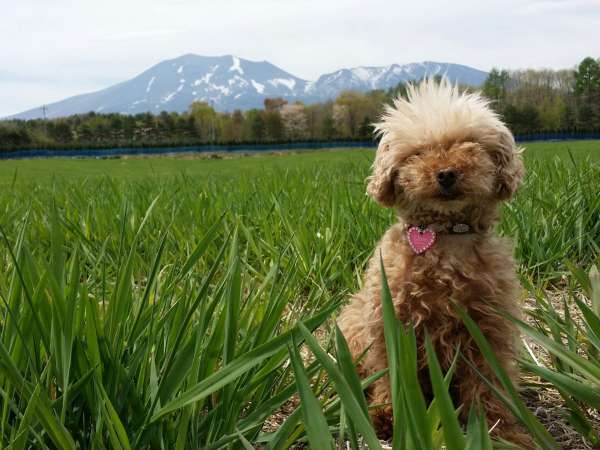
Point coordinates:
[[420, 240]]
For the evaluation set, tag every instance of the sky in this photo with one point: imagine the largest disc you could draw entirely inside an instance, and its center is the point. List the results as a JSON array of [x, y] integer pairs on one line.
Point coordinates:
[[50, 50]]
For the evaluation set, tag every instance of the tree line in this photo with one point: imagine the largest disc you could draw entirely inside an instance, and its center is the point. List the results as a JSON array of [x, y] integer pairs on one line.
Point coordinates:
[[531, 101]]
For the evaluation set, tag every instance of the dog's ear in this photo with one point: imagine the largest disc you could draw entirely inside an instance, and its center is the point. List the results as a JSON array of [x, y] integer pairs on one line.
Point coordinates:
[[381, 182], [510, 169]]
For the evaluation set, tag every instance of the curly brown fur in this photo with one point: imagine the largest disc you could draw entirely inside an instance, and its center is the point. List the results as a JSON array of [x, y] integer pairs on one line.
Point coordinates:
[[437, 129]]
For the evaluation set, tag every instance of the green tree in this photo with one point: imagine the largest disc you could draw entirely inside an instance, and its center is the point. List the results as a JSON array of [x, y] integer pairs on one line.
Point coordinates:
[[233, 127], [166, 122], [587, 89], [328, 127], [552, 114], [496, 85], [366, 128], [13, 136], [587, 77], [255, 125], [85, 133], [522, 119], [60, 131], [352, 107], [115, 127], [205, 121], [273, 125]]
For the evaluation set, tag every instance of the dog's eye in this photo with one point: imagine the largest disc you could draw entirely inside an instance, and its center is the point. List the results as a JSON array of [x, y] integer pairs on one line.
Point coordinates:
[[414, 155]]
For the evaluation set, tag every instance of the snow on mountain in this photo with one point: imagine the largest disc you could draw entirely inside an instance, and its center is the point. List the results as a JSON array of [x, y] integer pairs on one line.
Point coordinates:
[[228, 83], [368, 78]]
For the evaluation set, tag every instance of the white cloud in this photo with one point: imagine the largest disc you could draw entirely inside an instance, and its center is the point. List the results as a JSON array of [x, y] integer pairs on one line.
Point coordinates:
[[141, 34], [577, 7], [67, 47]]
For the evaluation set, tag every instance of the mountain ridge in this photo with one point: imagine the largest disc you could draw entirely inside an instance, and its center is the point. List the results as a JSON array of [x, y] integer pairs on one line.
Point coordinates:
[[229, 82]]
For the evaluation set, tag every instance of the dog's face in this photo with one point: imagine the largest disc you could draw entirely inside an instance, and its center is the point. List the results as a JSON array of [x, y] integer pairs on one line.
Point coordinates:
[[442, 150], [444, 177]]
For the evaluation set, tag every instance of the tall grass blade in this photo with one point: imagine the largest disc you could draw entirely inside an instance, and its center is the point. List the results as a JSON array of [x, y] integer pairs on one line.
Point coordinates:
[[543, 438], [351, 404], [315, 423]]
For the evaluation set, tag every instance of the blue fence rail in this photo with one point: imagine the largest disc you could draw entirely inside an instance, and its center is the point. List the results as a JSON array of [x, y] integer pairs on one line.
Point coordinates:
[[559, 136], [206, 148], [210, 148]]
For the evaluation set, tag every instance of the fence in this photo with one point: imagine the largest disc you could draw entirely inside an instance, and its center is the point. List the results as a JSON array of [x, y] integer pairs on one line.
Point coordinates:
[[208, 148]]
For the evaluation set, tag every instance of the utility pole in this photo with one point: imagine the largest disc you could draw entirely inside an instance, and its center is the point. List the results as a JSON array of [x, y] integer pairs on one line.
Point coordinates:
[[44, 109]]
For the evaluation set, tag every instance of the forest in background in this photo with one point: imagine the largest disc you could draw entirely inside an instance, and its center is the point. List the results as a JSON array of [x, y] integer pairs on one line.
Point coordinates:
[[530, 101]]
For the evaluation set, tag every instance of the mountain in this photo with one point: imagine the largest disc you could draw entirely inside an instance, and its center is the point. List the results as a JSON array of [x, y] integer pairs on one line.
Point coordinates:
[[229, 82], [368, 78]]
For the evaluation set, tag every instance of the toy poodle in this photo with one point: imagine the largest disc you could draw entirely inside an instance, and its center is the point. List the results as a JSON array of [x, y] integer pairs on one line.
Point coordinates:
[[445, 162]]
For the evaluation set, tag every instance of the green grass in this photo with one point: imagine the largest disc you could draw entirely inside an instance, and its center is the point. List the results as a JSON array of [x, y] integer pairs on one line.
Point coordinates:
[[44, 170], [160, 303], [560, 149]]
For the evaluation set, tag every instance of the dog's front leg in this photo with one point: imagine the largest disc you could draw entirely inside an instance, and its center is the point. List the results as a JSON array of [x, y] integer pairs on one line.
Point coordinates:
[[379, 393], [381, 412]]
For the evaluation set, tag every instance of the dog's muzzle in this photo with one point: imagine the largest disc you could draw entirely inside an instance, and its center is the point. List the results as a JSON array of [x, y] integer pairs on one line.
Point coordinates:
[[447, 182]]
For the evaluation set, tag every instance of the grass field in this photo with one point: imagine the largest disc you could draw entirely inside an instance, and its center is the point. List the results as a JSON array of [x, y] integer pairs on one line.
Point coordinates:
[[140, 168], [157, 303]]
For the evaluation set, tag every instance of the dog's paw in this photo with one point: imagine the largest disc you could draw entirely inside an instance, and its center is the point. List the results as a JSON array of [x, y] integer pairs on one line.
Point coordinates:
[[515, 435], [383, 421]]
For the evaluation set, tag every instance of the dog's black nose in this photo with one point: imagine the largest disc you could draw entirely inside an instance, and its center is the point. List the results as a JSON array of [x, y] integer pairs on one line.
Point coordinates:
[[446, 178]]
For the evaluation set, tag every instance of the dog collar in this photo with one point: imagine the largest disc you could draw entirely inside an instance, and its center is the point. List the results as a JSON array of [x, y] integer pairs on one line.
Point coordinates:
[[422, 237]]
